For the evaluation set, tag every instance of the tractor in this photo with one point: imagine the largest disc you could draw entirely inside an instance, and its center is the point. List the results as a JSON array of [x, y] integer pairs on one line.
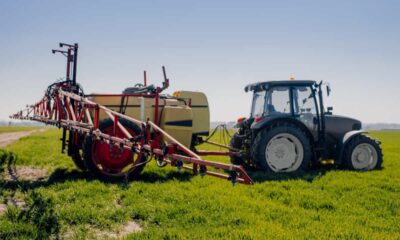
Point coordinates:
[[289, 130]]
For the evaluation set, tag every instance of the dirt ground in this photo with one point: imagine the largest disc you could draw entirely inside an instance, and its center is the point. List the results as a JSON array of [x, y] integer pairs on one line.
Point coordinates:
[[11, 137], [127, 228], [25, 173], [8, 138], [3, 208], [18, 173]]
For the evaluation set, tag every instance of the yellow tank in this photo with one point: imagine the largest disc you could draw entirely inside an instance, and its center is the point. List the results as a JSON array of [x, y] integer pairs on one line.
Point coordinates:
[[183, 115], [178, 121], [200, 109]]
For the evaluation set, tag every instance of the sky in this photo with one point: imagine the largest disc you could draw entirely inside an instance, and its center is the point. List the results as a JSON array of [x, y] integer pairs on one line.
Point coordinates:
[[216, 47]]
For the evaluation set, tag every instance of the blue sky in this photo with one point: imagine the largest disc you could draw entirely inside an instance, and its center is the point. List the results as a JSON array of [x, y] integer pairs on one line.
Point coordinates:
[[212, 46]]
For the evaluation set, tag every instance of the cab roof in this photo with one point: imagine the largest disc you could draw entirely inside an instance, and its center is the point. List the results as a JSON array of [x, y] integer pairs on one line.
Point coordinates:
[[264, 85]]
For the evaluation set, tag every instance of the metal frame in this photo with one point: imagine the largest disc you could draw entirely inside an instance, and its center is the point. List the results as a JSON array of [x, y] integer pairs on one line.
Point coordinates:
[[73, 112], [60, 112]]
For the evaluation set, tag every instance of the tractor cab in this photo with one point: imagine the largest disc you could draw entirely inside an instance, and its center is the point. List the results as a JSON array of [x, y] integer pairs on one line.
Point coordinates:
[[287, 99]]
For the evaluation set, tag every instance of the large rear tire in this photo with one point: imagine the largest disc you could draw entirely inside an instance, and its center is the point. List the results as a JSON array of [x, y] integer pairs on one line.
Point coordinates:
[[109, 162], [362, 153], [282, 148]]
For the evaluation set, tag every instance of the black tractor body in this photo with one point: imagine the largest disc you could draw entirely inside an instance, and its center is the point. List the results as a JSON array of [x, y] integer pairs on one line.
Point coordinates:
[[289, 130]]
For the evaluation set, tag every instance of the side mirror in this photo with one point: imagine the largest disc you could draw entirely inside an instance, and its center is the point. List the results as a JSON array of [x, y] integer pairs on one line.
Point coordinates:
[[329, 110]]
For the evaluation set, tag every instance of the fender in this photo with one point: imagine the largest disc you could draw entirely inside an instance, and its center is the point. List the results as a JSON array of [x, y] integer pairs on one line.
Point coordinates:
[[268, 119], [346, 138], [257, 126]]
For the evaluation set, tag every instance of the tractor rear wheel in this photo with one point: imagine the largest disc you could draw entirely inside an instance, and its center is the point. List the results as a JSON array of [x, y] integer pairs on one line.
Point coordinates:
[[109, 161], [362, 153], [282, 148]]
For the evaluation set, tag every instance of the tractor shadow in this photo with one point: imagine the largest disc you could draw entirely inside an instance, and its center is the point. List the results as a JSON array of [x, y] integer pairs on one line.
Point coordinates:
[[309, 176], [156, 177], [315, 173]]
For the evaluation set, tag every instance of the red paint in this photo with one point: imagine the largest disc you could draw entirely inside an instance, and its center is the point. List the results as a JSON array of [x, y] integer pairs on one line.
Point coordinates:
[[116, 125], [216, 153], [96, 117], [241, 119], [111, 157]]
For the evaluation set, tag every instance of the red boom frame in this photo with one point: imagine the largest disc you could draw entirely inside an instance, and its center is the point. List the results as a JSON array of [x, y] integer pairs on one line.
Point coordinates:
[[60, 112], [65, 108]]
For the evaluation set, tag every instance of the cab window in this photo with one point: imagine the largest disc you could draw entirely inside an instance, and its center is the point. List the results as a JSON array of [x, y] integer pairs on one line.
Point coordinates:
[[258, 104], [304, 106], [303, 101], [278, 101]]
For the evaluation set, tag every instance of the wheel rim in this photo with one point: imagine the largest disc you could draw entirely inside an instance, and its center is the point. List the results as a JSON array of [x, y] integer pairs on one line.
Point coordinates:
[[284, 153], [364, 157], [111, 159]]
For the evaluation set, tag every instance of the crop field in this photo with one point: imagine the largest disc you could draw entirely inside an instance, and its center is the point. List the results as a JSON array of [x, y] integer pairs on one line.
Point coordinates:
[[55, 200]]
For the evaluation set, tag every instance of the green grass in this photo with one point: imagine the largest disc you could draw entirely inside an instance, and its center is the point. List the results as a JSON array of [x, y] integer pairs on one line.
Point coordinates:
[[323, 204], [7, 129]]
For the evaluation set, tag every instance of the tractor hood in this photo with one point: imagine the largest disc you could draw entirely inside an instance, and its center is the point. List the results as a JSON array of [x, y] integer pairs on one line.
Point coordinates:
[[337, 126]]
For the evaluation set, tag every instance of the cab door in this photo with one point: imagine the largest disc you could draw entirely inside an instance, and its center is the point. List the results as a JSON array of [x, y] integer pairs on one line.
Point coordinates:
[[305, 108]]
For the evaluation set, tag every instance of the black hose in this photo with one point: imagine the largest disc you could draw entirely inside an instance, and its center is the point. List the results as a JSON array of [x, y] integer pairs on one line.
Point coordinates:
[[225, 133]]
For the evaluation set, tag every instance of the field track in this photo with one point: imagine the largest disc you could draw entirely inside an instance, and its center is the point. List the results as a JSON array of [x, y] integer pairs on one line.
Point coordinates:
[[8, 138], [13, 134]]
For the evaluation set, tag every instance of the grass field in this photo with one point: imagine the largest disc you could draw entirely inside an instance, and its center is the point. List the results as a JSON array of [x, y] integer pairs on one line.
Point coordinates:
[[324, 204], [4, 129]]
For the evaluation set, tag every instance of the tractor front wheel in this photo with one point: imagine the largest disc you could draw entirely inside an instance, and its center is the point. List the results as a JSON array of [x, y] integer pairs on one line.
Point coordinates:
[[109, 161], [282, 148], [362, 153]]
